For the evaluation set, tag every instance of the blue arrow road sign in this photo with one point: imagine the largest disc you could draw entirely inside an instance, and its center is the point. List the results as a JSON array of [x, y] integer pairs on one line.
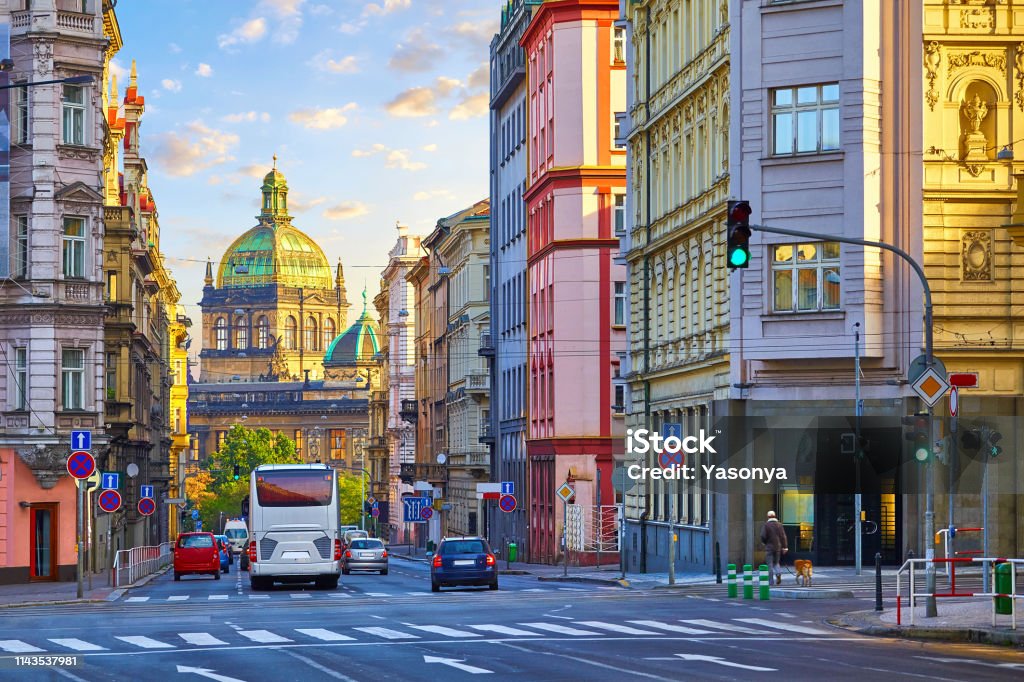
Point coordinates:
[[195, 514], [109, 480], [508, 488], [81, 440], [199, 525], [147, 491], [672, 430], [412, 509]]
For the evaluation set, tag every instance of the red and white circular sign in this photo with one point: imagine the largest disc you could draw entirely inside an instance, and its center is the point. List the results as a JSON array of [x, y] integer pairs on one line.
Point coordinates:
[[954, 401]]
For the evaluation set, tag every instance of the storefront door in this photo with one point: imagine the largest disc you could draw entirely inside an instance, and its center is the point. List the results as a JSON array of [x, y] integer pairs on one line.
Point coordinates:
[[43, 541]]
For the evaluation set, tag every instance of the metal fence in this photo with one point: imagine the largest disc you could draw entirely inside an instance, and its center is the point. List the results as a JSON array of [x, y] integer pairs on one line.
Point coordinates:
[[136, 563], [592, 529]]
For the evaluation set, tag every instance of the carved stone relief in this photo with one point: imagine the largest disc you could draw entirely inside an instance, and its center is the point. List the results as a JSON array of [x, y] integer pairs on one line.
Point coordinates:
[[932, 63], [960, 60], [976, 256], [1019, 63], [47, 462]]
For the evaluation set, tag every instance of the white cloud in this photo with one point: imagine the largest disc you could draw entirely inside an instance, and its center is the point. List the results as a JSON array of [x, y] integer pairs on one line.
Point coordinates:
[[174, 48], [118, 69], [248, 32], [325, 61], [214, 180], [374, 149], [433, 194], [350, 29], [171, 85], [204, 70], [412, 103], [429, 147], [253, 170], [322, 119], [185, 152], [346, 210], [288, 21], [246, 116], [298, 203], [320, 10], [416, 52], [387, 7], [393, 158], [481, 77], [470, 107], [479, 32]]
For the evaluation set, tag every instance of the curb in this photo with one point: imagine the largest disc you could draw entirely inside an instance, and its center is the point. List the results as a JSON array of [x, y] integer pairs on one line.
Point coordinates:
[[946, 634], [592, 581], [514, 571], [812, 594], [52, 603], [410, 558]]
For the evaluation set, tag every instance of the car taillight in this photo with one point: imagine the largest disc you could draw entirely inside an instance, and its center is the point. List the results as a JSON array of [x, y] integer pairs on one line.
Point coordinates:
[[490, 559], [348, 554], [337, 550], [384, 555], [252, 551], [437, 561]]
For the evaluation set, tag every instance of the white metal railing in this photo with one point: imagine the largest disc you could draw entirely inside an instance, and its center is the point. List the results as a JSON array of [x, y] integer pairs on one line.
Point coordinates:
[[133, 564], [992, 594], [592, 529]]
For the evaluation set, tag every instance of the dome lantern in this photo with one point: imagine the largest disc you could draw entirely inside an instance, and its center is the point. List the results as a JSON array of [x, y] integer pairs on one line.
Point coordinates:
[[274, 207]]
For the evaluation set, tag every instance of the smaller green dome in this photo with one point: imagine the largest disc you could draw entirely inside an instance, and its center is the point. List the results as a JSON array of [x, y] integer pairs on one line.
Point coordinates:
[[357, 344]]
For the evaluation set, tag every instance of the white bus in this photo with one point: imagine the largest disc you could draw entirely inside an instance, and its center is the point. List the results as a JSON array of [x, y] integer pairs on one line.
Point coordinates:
[[293, 525]]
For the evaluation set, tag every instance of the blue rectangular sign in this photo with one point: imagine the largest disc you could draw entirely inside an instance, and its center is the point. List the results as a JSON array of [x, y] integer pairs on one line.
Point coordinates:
[[508, 488], [412, 508], [147, 491], [109, 481], [672, 430], [81, 440]]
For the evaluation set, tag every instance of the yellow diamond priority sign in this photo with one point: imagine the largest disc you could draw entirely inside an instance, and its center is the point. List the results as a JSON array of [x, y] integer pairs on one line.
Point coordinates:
[[930, 386], [566, 492]]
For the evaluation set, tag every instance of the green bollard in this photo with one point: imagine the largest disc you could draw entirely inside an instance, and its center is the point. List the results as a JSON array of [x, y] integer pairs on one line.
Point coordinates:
[[732, 580], [766, 581], [748, 587]]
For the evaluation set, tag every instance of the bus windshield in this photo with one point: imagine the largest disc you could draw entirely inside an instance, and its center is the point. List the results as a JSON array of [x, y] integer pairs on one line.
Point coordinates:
[[294, 488]]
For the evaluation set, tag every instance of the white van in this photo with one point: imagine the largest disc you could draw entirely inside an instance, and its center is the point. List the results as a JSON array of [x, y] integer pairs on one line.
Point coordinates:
[[238, 535]]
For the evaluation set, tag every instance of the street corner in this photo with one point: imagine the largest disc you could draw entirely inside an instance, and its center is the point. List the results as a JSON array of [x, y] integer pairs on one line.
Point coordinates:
[[811, 593], [611, 582], [874, 624]]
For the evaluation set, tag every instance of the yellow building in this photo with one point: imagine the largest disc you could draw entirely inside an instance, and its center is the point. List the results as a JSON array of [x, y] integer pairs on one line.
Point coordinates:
[[678, 303], [973, 111]]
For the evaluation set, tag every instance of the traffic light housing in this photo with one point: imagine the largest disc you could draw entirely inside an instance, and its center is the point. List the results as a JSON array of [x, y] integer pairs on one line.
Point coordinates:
[[738, 234], [236, 472], [993, 437], [919, 437], [982, 441]]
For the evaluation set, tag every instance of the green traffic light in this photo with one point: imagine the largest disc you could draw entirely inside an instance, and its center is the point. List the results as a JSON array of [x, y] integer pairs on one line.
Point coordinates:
[[738, 258], [921, 455]]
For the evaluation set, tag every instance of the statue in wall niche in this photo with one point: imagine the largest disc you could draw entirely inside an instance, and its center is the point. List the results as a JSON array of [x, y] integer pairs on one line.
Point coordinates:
[[975, 142]]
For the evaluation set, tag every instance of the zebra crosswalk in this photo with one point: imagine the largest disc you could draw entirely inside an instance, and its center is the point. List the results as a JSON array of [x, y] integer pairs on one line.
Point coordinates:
[[227, 636], [338, 594]]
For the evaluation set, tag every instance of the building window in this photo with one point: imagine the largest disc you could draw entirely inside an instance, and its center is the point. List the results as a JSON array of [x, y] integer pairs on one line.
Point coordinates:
[[221, 437], [112, 285], [290, 333], [111, 384], [221, 333], [805, 120], [298, 443], [620, 215], [19, 116], [73, 106], [21, 378], [241, 334], [806, 277], [339, 442], [179, 373], [312, 337], [620, 304], [619, 45], [330, 331], [262, 332], [74, 247], [21, 246], [72, 367]]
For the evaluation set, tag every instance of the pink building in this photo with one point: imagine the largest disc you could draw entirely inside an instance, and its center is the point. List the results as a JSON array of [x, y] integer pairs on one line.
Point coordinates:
[[575, 173]]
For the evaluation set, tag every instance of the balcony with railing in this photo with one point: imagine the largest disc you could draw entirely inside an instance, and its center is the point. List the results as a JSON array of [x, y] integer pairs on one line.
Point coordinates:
[[486, 349], [432, 473], [473, 456], [486, 433], [478, 382], [377, 443]]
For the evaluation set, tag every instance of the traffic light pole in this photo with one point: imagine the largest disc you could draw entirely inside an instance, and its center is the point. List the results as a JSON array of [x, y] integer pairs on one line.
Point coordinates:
[[929, 361]]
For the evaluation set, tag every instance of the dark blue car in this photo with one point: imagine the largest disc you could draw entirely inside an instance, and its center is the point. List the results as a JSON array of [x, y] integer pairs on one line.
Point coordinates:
[[224, 549], [463, 561]]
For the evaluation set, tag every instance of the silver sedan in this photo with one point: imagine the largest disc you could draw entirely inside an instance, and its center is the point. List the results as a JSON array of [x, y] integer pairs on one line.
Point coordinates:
[[365, 554]]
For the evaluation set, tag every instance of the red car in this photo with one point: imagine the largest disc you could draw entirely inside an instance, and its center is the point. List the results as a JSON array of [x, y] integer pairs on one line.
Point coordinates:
[[196, 553]]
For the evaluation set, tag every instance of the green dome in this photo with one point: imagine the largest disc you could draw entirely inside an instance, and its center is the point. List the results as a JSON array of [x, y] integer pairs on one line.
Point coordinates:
[[269, 254], [357, 344]]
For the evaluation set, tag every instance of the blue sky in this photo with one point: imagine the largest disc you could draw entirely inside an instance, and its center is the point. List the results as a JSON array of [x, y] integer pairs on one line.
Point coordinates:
[[376, 111]]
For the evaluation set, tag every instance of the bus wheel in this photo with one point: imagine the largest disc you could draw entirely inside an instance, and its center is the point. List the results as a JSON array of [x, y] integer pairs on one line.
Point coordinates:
[[327, 582]]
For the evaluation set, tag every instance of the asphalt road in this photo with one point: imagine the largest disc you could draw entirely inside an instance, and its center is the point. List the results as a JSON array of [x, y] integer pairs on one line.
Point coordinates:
[[393, 628]]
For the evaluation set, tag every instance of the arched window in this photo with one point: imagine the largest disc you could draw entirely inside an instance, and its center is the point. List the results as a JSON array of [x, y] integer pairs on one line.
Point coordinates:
[[221, 333], [291, 329], [311, 334], [262, 332], [330, 331], [241, 334]]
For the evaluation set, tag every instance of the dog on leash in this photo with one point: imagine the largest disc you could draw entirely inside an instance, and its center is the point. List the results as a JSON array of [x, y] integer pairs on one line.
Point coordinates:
[[804, 571]]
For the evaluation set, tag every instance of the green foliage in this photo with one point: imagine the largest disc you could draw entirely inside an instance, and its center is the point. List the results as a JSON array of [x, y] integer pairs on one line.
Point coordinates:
[[249, 448], [349, 498]]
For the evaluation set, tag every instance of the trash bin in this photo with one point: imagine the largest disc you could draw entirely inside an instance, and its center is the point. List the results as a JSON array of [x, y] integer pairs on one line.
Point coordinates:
[[1003, 605], [430, 545], [513, 551]]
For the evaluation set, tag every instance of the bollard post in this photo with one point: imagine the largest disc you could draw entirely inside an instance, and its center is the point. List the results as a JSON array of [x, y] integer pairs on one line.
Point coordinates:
[[718, 563], [878, 581], [748, 587], [731, 570], [765, 580]]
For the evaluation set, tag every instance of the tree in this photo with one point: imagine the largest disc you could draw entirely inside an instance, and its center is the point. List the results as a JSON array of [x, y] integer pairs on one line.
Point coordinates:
[[249, 448], [197, 488], [350, 500]]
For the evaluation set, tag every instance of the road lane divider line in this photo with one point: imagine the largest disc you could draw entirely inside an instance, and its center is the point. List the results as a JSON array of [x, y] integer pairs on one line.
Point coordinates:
[[218, 597], [624, 629], [263, 636], [730, 627], [137, 599], [144, 642], [671, 627], [78, 645], [201, 639], [504, 630], [16, 646], [788, 627], [325, 635], [178, 597], [387, 633], [561, 629], [442, 630]]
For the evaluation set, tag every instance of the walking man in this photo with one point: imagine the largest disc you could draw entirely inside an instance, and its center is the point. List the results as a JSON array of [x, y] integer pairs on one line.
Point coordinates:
[[773, 537]]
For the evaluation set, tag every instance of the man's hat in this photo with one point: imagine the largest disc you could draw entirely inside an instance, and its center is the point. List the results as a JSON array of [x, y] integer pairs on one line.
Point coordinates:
[[771, 515]]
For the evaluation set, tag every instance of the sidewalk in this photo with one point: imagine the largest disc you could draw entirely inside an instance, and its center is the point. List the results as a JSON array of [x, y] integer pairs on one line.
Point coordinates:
[[37, 594], [958, 621]]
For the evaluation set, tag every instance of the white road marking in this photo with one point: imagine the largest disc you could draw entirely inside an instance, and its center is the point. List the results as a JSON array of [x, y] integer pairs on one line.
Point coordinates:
[[726, 626], [145, 642], [137, 599], [505, 630], [78, 645], [200, 638], [339, 594], [259, 596], [415, 594], [669, 627], [16, 646], [178, 597], [442, 630], [387, 634], [262, 636], [322, 668], [788, 627], [534, 589], [457, 664], [325, 635], [572, 589], [216, 597], [377, 594], [624, 629], [301, 595], [721, 661], [560, 629]]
